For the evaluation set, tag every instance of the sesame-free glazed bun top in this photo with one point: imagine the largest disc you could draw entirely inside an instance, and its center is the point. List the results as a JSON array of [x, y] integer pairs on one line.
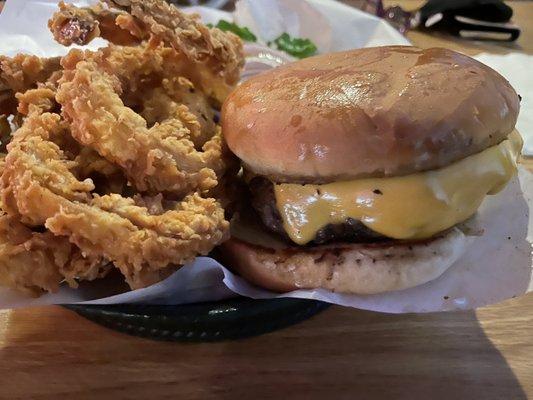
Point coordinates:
[[379, 111]]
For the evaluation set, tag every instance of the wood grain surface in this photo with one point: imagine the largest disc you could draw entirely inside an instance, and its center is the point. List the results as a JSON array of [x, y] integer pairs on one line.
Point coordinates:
[[49, 353]]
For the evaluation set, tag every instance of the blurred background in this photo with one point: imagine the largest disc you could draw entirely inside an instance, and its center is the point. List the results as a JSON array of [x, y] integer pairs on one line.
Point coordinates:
[[475, 19]]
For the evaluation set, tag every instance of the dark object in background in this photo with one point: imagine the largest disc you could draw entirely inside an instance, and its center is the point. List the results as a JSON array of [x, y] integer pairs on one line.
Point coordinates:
[[476, 19], [473, 19], [486, 10]]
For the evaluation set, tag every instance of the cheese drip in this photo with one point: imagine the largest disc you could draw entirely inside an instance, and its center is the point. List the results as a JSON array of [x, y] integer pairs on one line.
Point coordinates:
[[414, 206]]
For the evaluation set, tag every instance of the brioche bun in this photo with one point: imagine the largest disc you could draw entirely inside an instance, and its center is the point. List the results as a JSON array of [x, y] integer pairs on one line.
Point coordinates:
[[382, 111], [346, 268], [375, 112]]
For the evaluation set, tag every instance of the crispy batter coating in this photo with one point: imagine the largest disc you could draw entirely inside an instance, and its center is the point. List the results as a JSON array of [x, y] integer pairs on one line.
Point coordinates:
[[77, 25], [107, 177], [51, 164], [216, 56], [160, 158], [117, 158], [89, 162], [39, 261], [34, 262], [38, 100], [177, 96], [185, 32], [23, 72], [140, 244]]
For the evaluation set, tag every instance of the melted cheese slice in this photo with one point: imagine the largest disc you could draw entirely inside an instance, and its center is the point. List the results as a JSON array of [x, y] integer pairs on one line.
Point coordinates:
[[414, 206]]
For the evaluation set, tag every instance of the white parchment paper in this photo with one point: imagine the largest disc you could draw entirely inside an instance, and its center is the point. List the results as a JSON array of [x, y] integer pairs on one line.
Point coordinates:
[[516, 68], [496, 267]]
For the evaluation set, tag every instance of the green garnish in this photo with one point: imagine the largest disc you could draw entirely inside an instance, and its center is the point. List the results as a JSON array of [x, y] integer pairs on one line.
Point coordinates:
[[243, 32], [297, 47]]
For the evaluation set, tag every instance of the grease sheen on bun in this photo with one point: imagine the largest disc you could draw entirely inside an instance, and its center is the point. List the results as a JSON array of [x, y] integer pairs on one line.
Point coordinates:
[[380, 111]]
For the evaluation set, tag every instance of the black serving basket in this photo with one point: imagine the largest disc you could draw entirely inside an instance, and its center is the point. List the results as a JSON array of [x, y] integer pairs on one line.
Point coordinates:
[[202, 322]]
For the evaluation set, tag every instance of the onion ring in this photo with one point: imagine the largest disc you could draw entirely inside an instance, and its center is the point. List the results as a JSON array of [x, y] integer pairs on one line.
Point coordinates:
[[39, 185], [39, 261], [161, 158], [21, 73], [117, 158], [216, 56]]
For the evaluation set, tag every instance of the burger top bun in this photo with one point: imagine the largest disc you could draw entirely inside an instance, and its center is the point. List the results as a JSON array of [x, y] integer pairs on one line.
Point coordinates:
[[380, 111]]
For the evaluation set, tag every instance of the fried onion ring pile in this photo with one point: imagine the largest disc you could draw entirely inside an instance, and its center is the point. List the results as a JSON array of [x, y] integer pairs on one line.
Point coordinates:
[[115, 157], [215, 57]]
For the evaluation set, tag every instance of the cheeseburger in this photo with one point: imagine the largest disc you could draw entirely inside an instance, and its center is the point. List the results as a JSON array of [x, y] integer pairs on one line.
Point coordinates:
[[365, 165]]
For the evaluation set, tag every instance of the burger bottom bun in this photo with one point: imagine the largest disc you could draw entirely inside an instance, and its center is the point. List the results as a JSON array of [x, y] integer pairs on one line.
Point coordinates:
[[346, 268]]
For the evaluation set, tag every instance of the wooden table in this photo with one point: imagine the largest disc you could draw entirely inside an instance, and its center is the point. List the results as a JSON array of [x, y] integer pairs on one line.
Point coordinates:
[[49, 352]]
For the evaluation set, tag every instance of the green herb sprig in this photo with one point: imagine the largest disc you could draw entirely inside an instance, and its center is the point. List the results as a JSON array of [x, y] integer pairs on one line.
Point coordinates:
[[243, 32], [297, 47]]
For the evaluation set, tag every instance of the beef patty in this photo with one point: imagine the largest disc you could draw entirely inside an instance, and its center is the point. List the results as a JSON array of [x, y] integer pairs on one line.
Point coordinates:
[[263, 200]]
